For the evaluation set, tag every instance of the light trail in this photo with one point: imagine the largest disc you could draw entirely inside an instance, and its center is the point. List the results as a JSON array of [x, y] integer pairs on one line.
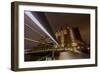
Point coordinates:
[[34, 30], [36, 41], [33, 40], [33, 18]]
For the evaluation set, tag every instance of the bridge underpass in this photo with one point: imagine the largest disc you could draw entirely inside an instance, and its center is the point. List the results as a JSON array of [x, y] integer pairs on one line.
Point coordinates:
[[52, 23]]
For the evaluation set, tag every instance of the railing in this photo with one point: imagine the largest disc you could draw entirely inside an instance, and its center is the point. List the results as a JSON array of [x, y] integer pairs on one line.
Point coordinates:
[[50, 50]]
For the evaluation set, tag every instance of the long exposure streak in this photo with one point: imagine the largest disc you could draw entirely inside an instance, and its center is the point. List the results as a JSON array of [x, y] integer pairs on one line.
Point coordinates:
[[33, 18]]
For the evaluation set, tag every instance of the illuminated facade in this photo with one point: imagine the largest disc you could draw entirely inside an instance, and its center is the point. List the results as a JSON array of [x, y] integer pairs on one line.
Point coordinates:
[[69, 37]]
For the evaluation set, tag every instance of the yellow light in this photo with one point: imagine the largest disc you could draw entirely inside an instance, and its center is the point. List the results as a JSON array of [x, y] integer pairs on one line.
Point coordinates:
[[74, 44]]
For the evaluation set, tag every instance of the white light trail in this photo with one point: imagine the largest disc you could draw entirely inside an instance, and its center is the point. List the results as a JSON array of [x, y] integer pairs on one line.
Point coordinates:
[[34, 30], [33, 18]]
